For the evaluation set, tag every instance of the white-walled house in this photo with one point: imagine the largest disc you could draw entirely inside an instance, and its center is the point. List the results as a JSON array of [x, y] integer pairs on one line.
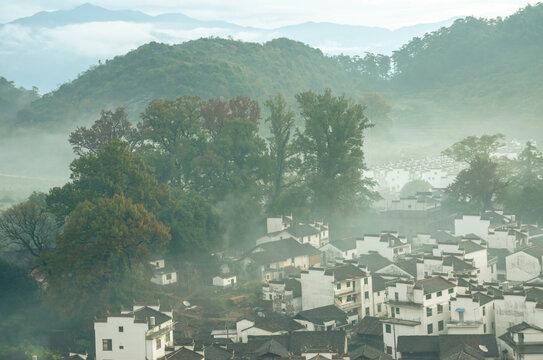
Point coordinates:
[[522, 341], [471, 224], [265, 327], [506, 238], [162, 275], [472, 314], [524, 264], [225, 280], [346, 286], [273, 259], [416, 308], [388, 244], [285, 295], [315, 233], [140, 334], [344, 249]]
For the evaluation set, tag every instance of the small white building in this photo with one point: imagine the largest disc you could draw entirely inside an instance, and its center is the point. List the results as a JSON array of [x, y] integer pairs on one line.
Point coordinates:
[[162, 275], [522, 341], [225, 280], [346, 286], [285, 295], [416, 308], [524, 264], [472, 314], [140, 334], [388, 244]]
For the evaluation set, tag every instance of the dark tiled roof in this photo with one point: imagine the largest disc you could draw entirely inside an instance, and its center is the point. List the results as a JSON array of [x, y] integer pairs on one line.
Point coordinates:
[[463, 352], [272, 347], [345, 244], [72, 357], [469, 246], [183, 354], [445, 237], [345, 272], [534, 251], [457, 264], [449, 342], [370, 325], [378, 283], [300, 341], [433, 284], [409, 266], [213, 352], [482, 298], [366, 352], [280, 250], [299, 230], [374, 261], [277, 324], [523, 326], [323, 314], [521, 349], [418, 344], [145, 313]]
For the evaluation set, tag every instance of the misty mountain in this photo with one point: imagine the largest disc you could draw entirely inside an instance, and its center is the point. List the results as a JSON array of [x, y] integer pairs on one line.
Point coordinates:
[[490, 66], [13, 99], [50, 48], [206, 67]]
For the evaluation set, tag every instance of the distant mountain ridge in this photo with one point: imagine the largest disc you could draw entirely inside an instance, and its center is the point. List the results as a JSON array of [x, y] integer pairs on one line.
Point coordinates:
[[63, 41]]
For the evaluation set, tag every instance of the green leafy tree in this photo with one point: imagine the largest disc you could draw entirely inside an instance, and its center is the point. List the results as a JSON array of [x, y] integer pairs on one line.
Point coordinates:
[[415, 186], [28, 226], [173, 135], [477, 188], [331, 146], [111, 125], [474, 147], [102, 257], [193, 222], [282, 151], [115, 170]]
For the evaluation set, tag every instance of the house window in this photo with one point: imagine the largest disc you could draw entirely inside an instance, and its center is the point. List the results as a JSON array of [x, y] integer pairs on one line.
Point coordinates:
[[396, 296], [270, 296], [157, 264], [440, 326], [428, 296], [367, 311], [348, 284], [397, 310], [158, 344], [121, 347], [378, 293], [366, 294], [389, 350], [167, 337], [107, 345], [338, 286], [340, 299], [484, 328], [430, 328], [365, 281], [484, 311], [349, 298], [387, 328], [439, 293], [439, 309], [451, 290], [168, 276], [428, 311], [379, 308], [121, 329]]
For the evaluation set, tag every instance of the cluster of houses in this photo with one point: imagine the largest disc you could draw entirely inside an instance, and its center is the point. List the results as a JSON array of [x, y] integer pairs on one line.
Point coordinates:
[[472, 291]]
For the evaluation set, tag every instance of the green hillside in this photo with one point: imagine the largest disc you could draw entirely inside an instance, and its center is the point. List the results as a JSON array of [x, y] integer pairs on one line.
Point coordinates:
[[487, 66], [208, 67], [13, 99]]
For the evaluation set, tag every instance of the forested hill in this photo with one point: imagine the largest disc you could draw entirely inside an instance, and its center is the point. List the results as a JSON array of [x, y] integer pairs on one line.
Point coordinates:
[[207, 67], [491, 64], [13, 99]]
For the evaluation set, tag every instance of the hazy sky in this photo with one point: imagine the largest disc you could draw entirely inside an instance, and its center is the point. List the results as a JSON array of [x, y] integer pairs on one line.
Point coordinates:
[[273, 13]]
